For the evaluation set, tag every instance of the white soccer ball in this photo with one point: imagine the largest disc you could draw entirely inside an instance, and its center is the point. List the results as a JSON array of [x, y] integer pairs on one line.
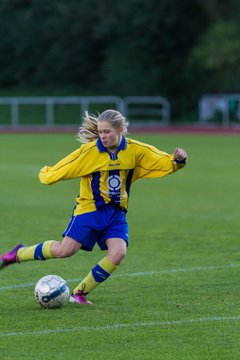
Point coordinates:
[[51, 292]]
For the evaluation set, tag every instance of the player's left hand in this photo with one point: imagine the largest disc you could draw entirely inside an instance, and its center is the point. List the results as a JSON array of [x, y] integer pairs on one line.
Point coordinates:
[[179, 154]]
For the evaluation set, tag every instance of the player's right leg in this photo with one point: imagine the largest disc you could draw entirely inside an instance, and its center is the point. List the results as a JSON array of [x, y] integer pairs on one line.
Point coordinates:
[[46, 250], [10, 257]]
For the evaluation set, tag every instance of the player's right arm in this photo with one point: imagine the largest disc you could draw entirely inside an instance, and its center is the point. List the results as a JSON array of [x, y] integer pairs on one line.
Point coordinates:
[[62, 170], [79, 163]]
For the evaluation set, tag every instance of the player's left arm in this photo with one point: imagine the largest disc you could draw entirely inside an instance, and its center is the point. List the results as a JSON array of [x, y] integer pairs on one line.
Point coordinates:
[[153, 162]]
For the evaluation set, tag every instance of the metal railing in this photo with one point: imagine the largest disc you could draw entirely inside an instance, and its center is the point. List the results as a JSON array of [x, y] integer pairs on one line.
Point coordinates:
[[227, 105], [155, 106], [50, 102]]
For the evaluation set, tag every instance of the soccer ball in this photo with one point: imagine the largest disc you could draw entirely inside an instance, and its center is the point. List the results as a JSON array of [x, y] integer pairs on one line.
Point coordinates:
[[51, 292]]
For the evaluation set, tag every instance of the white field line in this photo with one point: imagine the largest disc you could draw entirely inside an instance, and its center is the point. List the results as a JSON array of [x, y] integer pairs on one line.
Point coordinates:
[[146, 273], [24, 167], [120, 326]]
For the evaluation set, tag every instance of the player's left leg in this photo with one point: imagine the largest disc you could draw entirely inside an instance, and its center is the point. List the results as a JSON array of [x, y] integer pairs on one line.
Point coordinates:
[[117, 249], [101, 271]]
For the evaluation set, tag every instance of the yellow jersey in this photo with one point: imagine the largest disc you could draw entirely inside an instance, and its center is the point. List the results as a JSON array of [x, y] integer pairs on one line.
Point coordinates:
[[106, 177]]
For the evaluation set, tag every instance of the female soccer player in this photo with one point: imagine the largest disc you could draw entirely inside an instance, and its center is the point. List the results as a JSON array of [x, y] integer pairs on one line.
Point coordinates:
[[108, 163]]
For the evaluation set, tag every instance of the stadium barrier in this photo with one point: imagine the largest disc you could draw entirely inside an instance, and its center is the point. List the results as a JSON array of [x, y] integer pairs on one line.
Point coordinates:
[[226, 107], [151, 108]]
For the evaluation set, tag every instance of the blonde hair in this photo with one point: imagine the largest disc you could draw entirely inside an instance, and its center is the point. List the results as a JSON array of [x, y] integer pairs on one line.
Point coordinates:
[[88, 130]]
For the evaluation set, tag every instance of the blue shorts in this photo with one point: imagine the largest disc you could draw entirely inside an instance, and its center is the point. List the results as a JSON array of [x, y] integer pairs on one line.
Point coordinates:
[[98, 226]]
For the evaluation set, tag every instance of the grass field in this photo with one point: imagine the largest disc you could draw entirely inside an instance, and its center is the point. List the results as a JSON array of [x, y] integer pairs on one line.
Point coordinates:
[[175, 297]]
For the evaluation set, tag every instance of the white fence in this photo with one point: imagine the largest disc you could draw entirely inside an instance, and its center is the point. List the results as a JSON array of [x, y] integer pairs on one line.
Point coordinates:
[[227, 105], [156, 108]]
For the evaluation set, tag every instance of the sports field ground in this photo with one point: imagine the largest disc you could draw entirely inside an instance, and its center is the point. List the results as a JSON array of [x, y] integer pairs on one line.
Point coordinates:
[[176, 296]]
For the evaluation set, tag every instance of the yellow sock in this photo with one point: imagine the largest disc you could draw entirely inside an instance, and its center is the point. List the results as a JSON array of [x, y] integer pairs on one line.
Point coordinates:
[[98, 274], [40, 251]]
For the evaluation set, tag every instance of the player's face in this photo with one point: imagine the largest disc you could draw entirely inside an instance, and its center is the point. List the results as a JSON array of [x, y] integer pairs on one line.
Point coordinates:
[[109, 136]]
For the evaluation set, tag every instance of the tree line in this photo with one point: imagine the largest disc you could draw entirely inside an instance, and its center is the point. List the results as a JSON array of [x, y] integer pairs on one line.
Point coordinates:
[[177, 49]]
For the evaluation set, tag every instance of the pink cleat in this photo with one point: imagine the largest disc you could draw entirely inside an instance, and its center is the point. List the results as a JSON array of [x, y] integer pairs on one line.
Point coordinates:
[[79, 298], [10, 257]]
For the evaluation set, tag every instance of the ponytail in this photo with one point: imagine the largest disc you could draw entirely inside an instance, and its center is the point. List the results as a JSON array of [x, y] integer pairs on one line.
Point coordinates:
[[88, 130]]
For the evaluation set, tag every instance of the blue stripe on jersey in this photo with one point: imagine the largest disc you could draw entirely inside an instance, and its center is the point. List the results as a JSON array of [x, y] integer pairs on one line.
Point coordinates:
[[114, 186], [113, 156], [38, 254], [129, 181], [99, 274], [95, 184]]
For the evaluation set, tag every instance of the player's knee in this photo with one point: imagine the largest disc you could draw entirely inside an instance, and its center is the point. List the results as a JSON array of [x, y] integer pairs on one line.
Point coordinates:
[[62, 253], [65, 253], [60, 250], [117, 255], [121, 254], [65, 248]]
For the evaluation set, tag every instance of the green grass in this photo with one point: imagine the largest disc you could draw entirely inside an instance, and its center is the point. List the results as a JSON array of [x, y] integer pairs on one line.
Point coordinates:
[[176, 295]]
